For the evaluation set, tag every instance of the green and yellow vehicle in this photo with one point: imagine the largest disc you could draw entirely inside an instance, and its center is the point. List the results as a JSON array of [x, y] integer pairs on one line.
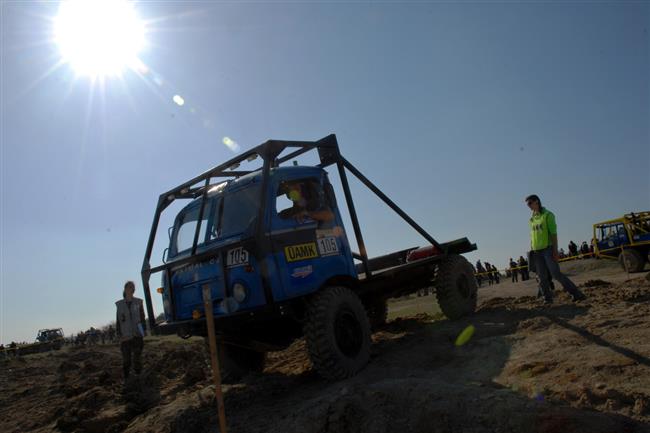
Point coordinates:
[[626, 239]]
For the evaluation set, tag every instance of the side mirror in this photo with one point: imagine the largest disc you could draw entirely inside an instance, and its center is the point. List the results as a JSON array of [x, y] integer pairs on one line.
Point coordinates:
[[169, 232], [164, 256]]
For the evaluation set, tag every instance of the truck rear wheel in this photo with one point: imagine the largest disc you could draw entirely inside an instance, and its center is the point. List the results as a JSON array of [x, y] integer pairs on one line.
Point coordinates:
[[337, 331], [456, 287], [634, 259]]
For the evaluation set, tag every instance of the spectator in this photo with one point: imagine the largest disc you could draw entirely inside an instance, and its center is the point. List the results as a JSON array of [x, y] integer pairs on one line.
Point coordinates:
[[480, 271], [543, 242], [523, 264], [573, 249], [130, 329], [488, 269], [513, 271], [497, 275]]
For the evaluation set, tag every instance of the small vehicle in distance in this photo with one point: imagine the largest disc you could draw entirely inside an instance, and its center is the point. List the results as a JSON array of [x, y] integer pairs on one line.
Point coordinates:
[[626, 239]]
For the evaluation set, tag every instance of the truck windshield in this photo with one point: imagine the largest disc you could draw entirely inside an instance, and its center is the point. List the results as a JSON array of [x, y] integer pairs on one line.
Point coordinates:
[[186, 226], [223, 217], [239, 210]]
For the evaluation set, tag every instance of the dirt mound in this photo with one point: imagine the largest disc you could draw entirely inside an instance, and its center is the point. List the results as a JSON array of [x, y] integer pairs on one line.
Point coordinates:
[[586, 265], [597, 283], [417, 405], [581, 367]]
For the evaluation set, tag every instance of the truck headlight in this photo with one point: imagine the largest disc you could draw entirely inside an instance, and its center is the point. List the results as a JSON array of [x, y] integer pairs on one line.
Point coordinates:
[[239, 292]]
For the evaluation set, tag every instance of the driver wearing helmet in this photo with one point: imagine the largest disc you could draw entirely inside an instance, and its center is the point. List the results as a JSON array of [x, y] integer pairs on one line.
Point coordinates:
[[303, 208]]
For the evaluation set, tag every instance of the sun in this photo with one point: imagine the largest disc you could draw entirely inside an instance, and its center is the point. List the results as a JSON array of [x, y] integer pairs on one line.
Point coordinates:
[[99, 37]]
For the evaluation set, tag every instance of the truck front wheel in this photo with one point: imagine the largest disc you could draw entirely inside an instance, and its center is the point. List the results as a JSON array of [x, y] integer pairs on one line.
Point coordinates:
[[631, 260], [456, 287], [337, 333]]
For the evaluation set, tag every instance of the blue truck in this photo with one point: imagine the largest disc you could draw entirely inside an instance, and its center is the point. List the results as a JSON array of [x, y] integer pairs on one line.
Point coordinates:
[[626, 239], [270, 246]]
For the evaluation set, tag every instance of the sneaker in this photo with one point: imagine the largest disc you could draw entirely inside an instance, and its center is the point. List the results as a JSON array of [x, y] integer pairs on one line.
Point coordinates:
[[548, 301]]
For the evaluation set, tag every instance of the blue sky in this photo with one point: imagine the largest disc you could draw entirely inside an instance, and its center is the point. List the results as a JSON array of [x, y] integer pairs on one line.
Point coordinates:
[[456, 110]]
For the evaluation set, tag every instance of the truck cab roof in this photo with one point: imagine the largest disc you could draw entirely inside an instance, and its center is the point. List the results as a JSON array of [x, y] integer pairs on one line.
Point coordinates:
[[232, 185]]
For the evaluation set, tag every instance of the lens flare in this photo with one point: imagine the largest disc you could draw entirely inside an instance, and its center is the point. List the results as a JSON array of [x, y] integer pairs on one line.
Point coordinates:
[[178, 100], [231, 144]]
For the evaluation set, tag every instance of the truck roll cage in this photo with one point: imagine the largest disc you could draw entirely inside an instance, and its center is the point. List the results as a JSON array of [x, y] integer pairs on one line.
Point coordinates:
[[329, 154]]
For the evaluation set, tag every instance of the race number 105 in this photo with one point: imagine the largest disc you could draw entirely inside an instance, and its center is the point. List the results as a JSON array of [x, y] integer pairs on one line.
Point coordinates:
[[328, 246], [237, 257]]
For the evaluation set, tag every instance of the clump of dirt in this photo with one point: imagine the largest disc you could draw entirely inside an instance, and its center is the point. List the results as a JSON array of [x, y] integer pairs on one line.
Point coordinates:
[[597, 283], [528, 367]]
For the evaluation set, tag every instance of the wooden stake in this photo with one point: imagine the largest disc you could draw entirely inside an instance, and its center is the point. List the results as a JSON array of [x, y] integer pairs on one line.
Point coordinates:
[[214, 359]]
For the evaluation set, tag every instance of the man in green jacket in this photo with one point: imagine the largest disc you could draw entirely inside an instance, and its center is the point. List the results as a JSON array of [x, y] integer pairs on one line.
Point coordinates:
[[543, 243]]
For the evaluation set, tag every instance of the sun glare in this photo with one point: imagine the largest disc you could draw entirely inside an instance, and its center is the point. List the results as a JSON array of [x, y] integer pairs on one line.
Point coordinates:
[[99, 37]]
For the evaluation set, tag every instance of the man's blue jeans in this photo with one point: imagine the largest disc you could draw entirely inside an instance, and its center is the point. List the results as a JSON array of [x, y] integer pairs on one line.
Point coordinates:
[[544, 260]]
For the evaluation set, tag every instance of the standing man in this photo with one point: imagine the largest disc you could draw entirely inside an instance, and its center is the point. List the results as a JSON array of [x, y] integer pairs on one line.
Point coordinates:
[[479, 271], [497, 275], [490, 275], [543, 243], [513, 270], [523, 264], [129, 325], [573, 249]]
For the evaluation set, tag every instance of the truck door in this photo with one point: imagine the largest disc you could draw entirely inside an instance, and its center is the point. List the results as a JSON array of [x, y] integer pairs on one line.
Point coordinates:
[[308, 238]]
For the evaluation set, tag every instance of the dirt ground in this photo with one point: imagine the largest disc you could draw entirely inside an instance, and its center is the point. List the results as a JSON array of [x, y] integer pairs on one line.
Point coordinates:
[[568, 367]]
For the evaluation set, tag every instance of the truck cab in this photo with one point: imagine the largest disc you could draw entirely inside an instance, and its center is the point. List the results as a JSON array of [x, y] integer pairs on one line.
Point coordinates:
[[308, 244]]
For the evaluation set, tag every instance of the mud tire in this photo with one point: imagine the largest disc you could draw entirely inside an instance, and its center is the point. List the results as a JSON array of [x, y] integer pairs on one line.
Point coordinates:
[[456, 287], [635, 261], [337, 331]]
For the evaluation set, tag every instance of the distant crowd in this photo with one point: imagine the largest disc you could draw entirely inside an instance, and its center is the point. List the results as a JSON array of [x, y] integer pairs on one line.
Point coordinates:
[[90, 337], [584, 250], [93, 336], [486, 272], [518, 268]]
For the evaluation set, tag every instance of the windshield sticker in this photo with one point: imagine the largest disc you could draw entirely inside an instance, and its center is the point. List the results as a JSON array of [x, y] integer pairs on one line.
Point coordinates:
[[236, 257], [324, 233], [328, 246], [295, 253], [302, 272]]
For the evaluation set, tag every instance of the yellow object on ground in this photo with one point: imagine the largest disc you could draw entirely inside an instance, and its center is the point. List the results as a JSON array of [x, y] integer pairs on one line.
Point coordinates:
[[464, 336]]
